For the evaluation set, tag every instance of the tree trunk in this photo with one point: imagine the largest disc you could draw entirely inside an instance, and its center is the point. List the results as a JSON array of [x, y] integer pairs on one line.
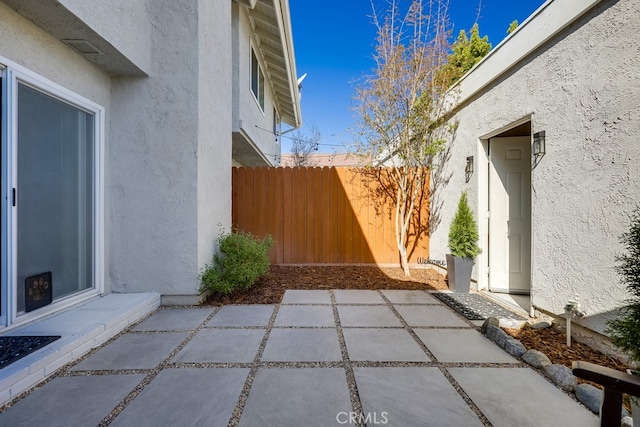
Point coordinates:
[[404, 262]]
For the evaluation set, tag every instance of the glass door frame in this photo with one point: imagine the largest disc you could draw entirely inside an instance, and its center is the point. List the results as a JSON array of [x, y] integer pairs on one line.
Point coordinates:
[[12, 74]]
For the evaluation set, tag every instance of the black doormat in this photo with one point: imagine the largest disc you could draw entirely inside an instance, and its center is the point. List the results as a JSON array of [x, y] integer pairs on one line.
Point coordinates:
[[15, 348], [476, 307]]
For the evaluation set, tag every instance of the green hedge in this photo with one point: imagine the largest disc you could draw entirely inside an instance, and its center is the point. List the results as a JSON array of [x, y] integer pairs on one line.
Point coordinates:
[[243, 259]]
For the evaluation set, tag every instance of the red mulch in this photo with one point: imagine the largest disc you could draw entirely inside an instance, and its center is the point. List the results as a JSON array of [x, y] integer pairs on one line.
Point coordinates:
[[270, 288]]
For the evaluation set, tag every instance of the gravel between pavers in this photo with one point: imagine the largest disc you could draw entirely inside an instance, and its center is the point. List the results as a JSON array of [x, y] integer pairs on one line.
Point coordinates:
[[345, 364]]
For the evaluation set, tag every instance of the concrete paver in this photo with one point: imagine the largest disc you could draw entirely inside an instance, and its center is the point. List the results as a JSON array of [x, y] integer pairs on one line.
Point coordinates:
[[297, 397], [462, 345], [349, 296], [176, 319], [410, 297], [302, 345], [429, 315], [133, 351], [383, 345], [520, 397], [354, 315], [71, 401], [412, 397], [306, 297], [222, 345], [310, 316], [186, 397], [242, 315]]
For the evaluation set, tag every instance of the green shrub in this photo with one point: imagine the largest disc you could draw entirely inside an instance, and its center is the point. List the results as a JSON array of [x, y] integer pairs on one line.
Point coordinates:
[[243, 258], [463, 232], [625, 330]]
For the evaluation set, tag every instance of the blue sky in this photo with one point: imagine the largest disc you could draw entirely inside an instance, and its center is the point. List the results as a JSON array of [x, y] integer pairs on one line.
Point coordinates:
[[334, 41]]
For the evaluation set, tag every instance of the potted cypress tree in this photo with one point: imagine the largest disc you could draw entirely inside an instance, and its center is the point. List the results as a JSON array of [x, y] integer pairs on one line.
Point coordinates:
[[463, 243], [625, 330]]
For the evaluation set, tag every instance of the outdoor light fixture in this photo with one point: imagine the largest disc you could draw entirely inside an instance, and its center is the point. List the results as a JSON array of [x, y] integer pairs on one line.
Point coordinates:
[[538, 144], [468, 169]]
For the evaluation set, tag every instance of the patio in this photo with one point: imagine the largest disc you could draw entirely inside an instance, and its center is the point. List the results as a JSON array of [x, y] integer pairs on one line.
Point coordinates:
[[319, 358]]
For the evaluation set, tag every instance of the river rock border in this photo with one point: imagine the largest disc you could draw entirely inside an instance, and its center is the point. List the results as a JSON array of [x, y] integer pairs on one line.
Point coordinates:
[[560, 375]]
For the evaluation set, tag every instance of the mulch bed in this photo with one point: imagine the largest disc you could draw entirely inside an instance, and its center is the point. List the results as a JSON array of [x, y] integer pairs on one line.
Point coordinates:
[[553, 343], [270, 288]]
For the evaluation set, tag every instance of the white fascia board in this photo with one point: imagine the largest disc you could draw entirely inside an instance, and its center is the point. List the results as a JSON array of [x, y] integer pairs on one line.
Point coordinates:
[[543, 24], [286, 34]]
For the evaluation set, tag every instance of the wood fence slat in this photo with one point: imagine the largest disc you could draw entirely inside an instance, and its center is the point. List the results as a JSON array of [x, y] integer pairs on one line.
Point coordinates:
[[329, 203], [298, 229], [242, 192], [262, 206], [287, 216], [310, 216], [271, 214], [234, 196], [317, 208], [276, 184], [340, 217]]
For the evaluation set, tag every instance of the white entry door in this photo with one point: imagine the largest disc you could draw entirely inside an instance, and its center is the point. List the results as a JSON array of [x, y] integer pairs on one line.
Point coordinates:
[[510, 214]]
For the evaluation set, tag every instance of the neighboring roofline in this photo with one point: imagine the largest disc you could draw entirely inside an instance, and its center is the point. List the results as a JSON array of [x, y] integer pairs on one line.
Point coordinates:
[[543, 24]]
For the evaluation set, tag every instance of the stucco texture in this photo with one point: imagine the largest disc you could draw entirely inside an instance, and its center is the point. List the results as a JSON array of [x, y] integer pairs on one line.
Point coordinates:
[[170, 152], [582, 88]]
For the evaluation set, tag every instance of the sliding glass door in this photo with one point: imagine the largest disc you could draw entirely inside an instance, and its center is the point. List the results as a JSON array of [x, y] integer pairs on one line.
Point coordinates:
[[54, 196], [51, 173]]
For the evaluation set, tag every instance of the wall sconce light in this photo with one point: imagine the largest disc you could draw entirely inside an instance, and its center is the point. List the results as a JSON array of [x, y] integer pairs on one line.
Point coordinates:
[[539, 144], [468, 169]]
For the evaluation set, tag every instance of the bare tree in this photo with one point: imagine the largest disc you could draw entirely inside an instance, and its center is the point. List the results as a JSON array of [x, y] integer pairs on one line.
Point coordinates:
[[302, 146], [401, 114]]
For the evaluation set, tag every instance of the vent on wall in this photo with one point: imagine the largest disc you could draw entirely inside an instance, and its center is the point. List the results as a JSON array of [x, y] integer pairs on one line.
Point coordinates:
[[83, 46]]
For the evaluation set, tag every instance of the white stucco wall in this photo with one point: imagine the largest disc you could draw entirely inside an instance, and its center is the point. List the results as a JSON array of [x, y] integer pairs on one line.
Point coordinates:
[[168, 135], [154, 142], [24, 43], [583, 89], [123, 23], [256, 124], [214, 135]]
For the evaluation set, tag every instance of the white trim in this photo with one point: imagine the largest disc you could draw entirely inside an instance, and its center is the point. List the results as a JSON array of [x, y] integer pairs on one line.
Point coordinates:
[[14, 74], [6, 232], [482, 155], [260, 72], [543, 24]]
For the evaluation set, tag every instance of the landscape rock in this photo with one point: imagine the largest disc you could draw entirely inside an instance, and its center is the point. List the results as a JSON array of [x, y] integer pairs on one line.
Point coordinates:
[[497, 335], [489, 321], [561, 376], [514, 347], [512, 323], [541, 325], [626, 422], [590, 397], [536, 358]]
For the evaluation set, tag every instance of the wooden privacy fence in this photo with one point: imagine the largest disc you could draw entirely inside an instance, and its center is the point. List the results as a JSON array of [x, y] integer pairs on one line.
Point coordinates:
[[319, 216]]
